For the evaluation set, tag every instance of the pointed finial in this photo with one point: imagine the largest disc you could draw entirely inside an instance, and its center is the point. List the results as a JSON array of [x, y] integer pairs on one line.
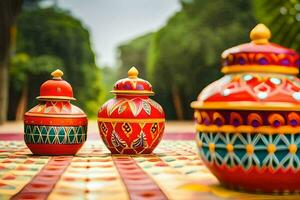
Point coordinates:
[[133, 73], [260, 34], [57, 74]]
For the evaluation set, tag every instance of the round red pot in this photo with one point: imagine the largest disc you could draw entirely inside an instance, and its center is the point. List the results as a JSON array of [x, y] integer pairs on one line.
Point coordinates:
[[131, 123]]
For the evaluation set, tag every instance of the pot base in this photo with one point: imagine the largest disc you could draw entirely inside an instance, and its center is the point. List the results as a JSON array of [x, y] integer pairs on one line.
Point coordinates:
[[131, 151], [258, 180], [54, 149]]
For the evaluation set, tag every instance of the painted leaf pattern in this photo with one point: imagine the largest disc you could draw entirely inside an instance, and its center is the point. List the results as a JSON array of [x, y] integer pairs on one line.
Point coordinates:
[[135, 109], [121, 109], [112, 107], [146, 107], [135, 106], [156, 105]]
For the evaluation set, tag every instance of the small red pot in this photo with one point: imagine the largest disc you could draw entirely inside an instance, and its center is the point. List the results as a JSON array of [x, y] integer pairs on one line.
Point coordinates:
[[131, 123], [55, 126]]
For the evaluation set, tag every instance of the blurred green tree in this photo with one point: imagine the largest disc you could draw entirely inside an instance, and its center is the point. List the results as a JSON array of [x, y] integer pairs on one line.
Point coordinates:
[[24, 71], [283, 18], [57, 34], [8, 13], [112, 75], [185, 54], [134, 53]]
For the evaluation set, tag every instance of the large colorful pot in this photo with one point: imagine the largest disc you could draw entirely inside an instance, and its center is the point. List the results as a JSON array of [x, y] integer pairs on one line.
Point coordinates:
[[55, 126], [248, 122], [131, 123]]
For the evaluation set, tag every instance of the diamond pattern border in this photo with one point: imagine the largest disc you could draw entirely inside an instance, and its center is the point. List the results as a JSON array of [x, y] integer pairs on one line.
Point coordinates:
[[35, 134], [273, 151]]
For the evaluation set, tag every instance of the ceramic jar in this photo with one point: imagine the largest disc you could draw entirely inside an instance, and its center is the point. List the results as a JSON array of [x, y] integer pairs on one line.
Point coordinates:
[[131, 123], [248, 122], [55, 126]]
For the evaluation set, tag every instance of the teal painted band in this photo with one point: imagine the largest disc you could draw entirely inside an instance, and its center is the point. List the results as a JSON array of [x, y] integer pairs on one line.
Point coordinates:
[[35, 134], [275, 151]]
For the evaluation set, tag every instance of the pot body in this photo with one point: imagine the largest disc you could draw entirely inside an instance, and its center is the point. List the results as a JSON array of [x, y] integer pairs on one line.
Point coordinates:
[[245, 147], [131, 124], [55, 128]]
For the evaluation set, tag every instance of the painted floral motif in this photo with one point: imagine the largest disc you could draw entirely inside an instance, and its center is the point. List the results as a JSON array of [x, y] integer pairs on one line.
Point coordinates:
[[141, 141], [118, 141]]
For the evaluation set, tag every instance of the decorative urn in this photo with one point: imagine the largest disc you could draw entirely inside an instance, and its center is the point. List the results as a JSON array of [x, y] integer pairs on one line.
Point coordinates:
[[55, 126], [131, 123], [248, 122]]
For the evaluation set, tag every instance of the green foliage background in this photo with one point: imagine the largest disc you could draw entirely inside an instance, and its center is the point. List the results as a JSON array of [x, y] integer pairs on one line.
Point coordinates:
[[179, 59], [48, 39], [134, 53], [184, 56], [283, 18]]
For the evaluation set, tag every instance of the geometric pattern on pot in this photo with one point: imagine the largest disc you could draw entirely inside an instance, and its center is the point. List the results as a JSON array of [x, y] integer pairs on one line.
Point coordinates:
[[56, 107], [247, 150], [254, 87], [55, 134]]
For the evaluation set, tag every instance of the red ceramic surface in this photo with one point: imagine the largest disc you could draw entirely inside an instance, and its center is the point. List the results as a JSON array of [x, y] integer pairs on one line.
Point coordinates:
[[55, 126], [248, 121], [131, 123]]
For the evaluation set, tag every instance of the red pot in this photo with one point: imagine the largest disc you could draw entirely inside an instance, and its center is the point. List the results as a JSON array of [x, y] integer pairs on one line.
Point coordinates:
[[55, 126], [248, 122], [131, 123]]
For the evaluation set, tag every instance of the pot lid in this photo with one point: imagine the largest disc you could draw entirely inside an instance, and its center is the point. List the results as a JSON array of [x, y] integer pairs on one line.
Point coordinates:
[[56, 88], [133, 85], [247, 86], [260, 55]]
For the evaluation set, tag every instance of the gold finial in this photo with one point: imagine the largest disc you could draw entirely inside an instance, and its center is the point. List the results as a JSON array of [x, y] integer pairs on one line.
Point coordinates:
[[57, 74], [133, 73], [260, 34]]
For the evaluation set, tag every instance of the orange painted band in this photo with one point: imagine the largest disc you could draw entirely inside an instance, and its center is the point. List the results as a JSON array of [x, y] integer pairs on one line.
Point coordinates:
[[51, 121]]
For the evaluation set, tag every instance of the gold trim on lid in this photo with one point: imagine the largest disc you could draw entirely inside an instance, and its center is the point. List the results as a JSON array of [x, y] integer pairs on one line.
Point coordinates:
[[133, 92], [57, 74], [245, 105], [56, 98], [247, 129], [260, 34], [260, 68], [133, 73]]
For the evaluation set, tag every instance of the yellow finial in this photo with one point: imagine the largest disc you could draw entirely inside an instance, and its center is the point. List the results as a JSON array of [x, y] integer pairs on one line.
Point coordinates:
[[260, 34], [133, 73], [57, 74]]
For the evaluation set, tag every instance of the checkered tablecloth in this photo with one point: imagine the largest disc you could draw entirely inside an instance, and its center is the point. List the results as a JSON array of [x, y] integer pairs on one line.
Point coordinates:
[[173, 171]]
